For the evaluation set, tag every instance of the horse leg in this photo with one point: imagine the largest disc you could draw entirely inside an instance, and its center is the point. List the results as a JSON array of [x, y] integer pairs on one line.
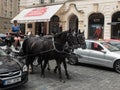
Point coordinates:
[[48, 68], [40, 61], [59, 69], [55, 70], [32, 70], [65, 67], [43, 68], [27, 63]]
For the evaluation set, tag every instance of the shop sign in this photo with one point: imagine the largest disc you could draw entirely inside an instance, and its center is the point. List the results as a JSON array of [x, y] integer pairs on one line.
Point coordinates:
[[36, 12], [96, 20]]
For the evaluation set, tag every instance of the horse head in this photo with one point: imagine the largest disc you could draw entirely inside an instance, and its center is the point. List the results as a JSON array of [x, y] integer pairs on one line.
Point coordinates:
[[65, 37], [71, 39], [81, 39]]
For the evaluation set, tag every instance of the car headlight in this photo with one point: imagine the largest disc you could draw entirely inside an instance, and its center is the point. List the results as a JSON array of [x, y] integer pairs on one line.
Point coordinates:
[[24, 68]]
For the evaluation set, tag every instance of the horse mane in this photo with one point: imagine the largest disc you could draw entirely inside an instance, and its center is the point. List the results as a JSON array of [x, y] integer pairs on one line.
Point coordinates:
[[60, 34]]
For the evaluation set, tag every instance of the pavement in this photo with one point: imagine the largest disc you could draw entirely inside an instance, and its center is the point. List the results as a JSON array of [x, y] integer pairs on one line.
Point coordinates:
[[83, 77]]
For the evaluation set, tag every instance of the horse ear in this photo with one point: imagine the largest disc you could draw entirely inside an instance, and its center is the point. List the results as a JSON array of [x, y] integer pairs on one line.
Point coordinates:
[[83, 31], [79, 31], [70, 30]]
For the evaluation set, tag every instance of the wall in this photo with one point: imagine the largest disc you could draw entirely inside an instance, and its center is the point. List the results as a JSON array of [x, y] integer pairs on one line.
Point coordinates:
[[86, 7]]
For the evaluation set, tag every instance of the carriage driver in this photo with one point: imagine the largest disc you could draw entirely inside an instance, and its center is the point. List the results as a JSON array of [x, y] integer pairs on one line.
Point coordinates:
[[15, 30]]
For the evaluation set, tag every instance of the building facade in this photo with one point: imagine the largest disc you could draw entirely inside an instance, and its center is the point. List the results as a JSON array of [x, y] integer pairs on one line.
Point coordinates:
[[97, 18], [8, 10]]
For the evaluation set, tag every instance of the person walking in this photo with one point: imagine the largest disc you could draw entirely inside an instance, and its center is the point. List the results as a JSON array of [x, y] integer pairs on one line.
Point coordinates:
[[15, 31]]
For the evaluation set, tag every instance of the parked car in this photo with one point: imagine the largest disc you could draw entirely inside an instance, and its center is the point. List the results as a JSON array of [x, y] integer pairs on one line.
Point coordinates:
[[100, 53], [12, 72]]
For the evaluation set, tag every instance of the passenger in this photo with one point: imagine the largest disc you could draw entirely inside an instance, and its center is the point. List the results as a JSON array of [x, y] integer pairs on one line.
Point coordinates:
[[15, 30]]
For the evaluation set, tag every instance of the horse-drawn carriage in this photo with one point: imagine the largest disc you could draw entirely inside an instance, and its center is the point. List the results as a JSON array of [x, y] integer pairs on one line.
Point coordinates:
[[57, 47]]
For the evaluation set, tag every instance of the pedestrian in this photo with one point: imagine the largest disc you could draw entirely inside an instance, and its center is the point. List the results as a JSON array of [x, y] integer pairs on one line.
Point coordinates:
[[15, 31]]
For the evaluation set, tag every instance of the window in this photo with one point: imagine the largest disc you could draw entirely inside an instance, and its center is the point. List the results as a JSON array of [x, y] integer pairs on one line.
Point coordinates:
[[95, 46], [52, 1], [5, 25], [10, 13], [29, 25], [42, 1], [5, 13]]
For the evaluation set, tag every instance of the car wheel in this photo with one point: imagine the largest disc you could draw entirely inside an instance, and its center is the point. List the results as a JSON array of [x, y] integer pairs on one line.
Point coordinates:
[[72, 61], [117, 66]]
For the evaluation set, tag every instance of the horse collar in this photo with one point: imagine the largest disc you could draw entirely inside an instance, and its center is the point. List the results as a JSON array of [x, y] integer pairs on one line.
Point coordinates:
[[54, 47], [53, 43]]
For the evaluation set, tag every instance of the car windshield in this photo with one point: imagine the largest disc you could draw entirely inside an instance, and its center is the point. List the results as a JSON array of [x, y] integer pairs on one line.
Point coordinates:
[[115, 43], [2, 53], [110, 46]]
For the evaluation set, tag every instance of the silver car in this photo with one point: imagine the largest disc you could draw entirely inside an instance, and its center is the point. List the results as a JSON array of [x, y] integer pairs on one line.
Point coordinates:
[[100, 53]]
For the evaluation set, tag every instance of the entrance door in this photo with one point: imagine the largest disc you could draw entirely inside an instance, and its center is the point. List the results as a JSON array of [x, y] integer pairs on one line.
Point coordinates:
[[22, 27], [73, 22], [54, 25], [95, 26], [115, 28], [40, 28]]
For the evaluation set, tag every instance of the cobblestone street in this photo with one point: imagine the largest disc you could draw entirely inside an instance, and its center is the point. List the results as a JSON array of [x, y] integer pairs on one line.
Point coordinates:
[[83, 77]]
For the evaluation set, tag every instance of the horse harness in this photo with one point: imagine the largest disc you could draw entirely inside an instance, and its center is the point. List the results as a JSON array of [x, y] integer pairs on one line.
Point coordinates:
[[54, 49]]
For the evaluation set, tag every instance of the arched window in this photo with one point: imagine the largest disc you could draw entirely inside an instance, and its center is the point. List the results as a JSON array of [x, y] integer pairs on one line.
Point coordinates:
[[115, 26], [73, 22], [54, 25], [95, 26]]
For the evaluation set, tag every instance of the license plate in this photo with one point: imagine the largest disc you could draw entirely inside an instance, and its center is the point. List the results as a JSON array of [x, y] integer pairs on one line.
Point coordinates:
[[12, 81]]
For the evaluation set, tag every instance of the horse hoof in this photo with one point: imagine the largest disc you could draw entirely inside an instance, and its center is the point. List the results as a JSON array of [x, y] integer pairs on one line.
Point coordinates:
[[43, 76], [48, 69], [55, 71]]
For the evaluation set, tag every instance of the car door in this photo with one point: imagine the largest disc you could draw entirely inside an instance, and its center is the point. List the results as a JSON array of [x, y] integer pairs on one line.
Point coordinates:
[[96, 55], [83, 53]]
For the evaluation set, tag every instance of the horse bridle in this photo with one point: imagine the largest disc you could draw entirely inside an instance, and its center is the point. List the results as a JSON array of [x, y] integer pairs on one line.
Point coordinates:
[[81, 40], [67, 40]]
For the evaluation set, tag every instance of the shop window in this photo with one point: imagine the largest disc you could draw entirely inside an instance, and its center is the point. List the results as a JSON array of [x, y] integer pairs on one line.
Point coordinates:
[[29, 25], [52, 1], [115, 26], [95, 26], [73, 22], [42, 1]]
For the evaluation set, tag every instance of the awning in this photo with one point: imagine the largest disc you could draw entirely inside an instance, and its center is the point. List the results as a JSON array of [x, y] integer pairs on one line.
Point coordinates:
[[113, 23], [39, 14]]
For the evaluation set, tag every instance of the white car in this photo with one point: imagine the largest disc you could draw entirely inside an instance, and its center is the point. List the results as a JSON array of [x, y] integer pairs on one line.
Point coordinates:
[[100, 53]]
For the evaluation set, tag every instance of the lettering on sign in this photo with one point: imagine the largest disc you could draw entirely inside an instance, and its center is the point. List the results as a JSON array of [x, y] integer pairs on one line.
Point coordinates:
[[36, 12]]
